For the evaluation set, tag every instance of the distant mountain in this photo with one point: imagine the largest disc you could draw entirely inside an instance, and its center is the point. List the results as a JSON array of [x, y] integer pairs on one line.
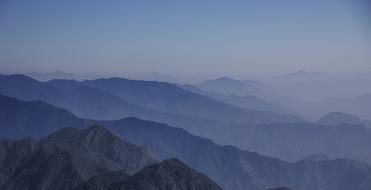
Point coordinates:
[[247, 101], [166, 175], [234, 169], [337, 118], [229, 86], [131, 98], [18, 119], [25, 88], [168, 98], [300, 139], [66, 159]]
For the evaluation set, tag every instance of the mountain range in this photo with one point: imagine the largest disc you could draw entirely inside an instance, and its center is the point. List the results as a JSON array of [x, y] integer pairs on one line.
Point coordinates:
[[228, 166], [115, 98], [290, 141]]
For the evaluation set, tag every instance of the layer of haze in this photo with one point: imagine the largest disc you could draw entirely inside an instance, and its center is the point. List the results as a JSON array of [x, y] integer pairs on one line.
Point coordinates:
[[179, 37]]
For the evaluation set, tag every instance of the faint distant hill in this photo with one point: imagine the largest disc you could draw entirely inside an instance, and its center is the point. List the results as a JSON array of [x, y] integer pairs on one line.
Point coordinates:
[[61, 75], [337, 118], [230, 86]]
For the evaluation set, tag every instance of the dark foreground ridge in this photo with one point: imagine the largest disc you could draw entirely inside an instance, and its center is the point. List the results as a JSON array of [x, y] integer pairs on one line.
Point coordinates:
[[166, 175], [66, 159]]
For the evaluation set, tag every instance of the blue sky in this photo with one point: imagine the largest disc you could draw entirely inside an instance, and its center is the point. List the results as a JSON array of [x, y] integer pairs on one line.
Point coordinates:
[[234, 37]]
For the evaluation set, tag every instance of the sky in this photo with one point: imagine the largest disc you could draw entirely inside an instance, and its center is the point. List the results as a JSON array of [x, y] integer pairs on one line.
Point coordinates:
[[231, 37]]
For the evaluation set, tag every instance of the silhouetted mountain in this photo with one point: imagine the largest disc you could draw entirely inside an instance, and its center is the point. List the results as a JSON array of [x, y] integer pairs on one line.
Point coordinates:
[[92, 103], [166, 175], [19, 119], [229, 86], [61, 75], [66, 159], [83, 101], [234, 169], [25, 88], [337, 118], [114, 98], [63, 84], [247, 101]]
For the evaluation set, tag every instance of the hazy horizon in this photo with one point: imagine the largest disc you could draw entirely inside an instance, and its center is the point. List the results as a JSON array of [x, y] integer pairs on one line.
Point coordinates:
[[183, 38]]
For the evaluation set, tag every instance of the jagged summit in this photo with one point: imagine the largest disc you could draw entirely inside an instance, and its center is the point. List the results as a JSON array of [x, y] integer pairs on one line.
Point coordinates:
[[67, 158]]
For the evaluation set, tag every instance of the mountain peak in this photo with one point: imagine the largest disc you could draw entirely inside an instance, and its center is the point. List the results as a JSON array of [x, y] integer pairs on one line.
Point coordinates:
[[95, 134]]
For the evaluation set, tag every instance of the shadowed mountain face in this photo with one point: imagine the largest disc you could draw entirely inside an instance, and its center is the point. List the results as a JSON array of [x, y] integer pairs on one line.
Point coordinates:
[[66, 159], [337, 118], [234, 169], [169, 174]]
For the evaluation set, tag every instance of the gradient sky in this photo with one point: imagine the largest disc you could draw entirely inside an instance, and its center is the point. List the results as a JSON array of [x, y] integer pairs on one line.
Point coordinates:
[[235, 37]]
